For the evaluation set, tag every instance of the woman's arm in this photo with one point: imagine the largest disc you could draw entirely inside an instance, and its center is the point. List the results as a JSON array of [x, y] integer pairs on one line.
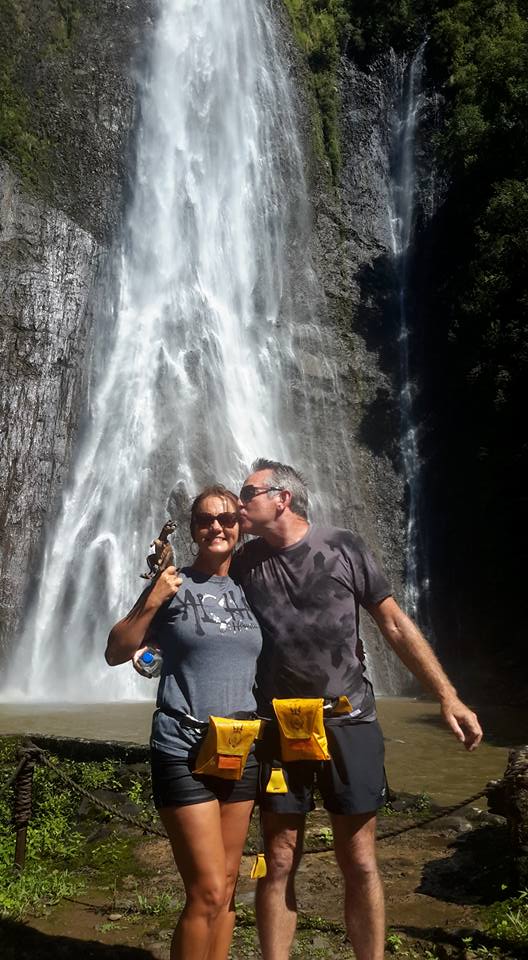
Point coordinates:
[[129, 633]]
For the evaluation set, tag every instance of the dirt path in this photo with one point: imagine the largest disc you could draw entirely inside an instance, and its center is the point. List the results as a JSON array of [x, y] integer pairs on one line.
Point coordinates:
[[436, 881]]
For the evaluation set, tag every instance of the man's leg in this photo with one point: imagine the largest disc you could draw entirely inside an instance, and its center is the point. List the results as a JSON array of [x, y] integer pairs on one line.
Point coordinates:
[[354, 843], [275, 900]]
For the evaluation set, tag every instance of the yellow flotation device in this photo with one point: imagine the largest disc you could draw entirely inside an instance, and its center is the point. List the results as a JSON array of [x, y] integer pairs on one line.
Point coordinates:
[[302, 732], [259, 868], [226, 746], [277, 782]]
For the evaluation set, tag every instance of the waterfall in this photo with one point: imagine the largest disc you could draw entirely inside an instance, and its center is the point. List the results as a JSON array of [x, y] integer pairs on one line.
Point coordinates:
[[202, 365], [407, 107]]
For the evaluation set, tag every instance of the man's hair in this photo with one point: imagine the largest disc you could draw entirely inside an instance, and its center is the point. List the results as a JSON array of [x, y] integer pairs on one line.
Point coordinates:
[[285, 477]]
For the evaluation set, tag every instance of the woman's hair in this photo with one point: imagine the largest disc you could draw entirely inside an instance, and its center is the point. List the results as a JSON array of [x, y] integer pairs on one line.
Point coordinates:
[[215, 490]]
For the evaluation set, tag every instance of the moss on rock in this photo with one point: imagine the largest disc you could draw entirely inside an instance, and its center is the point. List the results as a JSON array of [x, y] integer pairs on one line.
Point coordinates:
[[319, 29]]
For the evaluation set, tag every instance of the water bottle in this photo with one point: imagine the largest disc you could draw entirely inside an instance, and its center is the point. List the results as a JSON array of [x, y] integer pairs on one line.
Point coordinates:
[[150, 662]]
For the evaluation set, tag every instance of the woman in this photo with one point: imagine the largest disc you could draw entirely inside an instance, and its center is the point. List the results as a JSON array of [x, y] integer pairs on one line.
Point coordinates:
[[210, 643]]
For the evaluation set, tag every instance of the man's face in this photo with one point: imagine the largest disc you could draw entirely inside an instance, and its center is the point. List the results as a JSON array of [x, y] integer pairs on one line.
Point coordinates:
[[257, 513]]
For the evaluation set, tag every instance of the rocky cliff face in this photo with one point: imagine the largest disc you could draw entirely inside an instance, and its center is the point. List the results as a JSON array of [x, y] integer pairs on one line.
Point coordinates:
[[47, 269], [351, 247], [56, 233]]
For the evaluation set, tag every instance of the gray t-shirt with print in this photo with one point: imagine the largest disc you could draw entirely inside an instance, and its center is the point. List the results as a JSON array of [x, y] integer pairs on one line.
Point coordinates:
[[210, 641], [307, 599]]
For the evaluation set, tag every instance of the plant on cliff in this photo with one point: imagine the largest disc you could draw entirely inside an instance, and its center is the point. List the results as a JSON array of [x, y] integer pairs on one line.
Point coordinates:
[[328, 29], [18, 141], [321, 28], [30, 33]]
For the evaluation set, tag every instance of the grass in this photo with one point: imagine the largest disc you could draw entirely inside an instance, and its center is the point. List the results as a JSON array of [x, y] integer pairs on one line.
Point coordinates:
[[507, 921], [63, 852], [35, 890]]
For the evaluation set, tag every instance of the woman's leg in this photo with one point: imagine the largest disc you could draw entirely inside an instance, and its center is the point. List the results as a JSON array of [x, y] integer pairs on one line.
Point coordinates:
[[235, 819], [195, 833]]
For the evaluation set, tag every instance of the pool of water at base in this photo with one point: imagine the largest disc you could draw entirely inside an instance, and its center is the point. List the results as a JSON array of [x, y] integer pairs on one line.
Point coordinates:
[[422, 756]]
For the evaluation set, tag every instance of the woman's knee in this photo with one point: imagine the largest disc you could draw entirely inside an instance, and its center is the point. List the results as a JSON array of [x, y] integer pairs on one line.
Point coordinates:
[[231, 882], [208, 898]]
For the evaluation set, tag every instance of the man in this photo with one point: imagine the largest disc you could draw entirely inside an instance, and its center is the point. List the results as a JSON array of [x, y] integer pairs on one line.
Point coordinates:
[[306, 584]]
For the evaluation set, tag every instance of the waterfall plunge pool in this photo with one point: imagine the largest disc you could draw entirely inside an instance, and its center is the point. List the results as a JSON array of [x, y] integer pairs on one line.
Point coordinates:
[[421, 755]]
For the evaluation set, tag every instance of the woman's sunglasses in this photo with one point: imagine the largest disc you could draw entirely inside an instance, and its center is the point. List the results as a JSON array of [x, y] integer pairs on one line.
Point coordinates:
[[249, 491], [224, 519]]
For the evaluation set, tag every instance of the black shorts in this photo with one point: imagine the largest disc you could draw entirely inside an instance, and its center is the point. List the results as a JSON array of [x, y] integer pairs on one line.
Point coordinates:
[[353, 781], [175, 785]]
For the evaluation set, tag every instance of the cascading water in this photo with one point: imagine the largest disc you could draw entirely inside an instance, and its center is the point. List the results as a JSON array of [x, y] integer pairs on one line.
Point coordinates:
[[409, 100], [200, 372]]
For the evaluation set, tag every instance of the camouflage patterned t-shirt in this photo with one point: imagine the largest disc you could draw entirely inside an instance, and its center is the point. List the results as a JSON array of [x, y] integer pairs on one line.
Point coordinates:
[[307, 598]]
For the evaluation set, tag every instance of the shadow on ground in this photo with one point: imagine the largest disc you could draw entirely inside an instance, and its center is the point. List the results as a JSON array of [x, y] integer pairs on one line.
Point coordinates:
[[444, 943], [19, 942], [475, 873]]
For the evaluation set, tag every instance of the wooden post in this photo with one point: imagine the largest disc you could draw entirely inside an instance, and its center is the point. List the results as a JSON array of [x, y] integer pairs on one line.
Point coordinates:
[[20, 848], [22, 811]]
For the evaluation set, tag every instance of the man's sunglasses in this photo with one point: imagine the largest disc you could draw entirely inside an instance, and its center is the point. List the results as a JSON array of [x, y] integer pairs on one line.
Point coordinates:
[[224, 519], [248, 492]]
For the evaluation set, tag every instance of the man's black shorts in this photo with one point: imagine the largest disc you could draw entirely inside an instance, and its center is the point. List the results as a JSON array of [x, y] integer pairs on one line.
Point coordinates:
[[353, 781], [175, 785]]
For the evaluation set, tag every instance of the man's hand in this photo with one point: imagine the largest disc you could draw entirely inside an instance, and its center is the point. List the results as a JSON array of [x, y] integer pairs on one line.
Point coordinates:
[[414, 651], [462, 721]]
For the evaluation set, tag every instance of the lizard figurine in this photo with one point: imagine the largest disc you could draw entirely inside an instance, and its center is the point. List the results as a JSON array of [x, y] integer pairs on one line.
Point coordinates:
[[163, 555]]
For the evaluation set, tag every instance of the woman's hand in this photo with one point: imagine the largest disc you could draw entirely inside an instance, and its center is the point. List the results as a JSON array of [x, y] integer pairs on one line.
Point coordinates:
[[127, 638], [136, 662], [166, 586]]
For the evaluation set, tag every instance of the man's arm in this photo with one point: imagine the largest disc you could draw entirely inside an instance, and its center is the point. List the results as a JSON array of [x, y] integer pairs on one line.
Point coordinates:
[[414, 651]]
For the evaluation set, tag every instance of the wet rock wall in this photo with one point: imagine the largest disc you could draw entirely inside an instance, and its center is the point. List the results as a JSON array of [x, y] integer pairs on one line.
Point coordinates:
[[59, 219]]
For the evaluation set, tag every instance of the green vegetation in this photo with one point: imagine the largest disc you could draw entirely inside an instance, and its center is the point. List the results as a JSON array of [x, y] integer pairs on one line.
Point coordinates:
[[37, 889], [477, 331], [29, 35], [327, 29], [321, 30], [324, 835], [508, 921], [397, 946], [18, 140], [504, 933], [158, 905], [64, 850], [475, 336]]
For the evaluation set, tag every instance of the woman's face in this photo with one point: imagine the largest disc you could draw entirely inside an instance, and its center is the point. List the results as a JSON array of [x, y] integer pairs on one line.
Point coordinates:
[[216, 527]]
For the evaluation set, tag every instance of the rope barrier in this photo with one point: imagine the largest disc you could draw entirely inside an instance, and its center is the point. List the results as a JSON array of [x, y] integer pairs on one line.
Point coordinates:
[[9, 783], [30, 755], [107, 807], [446, 812]]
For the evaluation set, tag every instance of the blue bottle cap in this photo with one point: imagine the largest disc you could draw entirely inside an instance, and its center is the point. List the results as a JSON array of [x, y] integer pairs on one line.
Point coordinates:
[[147, 657]]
